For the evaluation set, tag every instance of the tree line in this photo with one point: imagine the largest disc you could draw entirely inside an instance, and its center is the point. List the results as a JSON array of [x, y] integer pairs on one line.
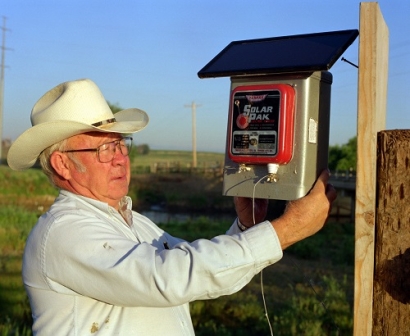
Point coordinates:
[[343, 157]]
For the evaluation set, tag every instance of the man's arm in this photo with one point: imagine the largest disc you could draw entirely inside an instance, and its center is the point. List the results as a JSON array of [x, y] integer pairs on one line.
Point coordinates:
[[302, 218]]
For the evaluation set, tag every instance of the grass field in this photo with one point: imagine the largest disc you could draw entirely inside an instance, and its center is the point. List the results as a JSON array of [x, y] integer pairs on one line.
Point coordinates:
[[309, 292], [15, 225]]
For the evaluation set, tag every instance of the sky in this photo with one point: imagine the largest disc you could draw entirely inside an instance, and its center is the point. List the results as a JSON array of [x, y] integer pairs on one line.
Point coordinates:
[[147, 54]]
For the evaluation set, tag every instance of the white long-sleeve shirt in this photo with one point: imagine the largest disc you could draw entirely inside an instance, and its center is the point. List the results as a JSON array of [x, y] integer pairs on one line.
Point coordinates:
[[89, 272]]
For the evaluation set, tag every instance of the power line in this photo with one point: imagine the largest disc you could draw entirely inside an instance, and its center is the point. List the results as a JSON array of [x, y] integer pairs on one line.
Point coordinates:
[[193, 107], [3, 52]]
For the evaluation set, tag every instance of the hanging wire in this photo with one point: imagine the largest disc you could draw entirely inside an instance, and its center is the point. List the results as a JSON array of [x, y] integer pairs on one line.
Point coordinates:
[[262, 287], [310, 282]]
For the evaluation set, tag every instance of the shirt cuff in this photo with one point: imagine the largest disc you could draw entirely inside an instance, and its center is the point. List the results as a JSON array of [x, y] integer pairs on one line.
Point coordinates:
[[264, 242]]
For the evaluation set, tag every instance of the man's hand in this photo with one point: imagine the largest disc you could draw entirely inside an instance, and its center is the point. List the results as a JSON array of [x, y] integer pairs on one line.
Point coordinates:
[[245, 209], [307, 215]]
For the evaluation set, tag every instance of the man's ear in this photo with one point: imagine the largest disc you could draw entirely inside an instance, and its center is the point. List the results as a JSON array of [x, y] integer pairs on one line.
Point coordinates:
[[60, 162]]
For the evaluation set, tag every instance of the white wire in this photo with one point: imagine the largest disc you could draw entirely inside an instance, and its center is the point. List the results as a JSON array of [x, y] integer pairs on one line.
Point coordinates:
[[265, 306], [296, 265], [253, 197], [262, 290]]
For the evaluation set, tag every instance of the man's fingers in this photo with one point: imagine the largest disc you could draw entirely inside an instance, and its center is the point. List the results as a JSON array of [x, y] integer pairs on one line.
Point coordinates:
[[331, 192], [322, 186], [321, 182]]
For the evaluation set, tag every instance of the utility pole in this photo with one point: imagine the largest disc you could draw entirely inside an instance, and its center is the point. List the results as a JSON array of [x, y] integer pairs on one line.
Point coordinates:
[[3, 49], [193, 107]]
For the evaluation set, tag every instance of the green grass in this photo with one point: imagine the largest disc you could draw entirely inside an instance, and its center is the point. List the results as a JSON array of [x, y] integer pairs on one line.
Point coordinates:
[[15, 225], [294, 288], [22, 195], [24, 183], [294, 306], [306, 293]]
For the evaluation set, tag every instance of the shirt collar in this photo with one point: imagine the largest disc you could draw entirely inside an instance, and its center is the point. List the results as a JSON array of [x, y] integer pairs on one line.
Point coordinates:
[[126, 201]]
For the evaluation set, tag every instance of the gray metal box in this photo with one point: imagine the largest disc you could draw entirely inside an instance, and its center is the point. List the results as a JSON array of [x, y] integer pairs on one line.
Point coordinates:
[[311, 141]]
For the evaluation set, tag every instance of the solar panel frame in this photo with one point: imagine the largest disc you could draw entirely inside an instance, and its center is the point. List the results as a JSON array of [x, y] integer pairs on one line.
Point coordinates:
[[294, 53]]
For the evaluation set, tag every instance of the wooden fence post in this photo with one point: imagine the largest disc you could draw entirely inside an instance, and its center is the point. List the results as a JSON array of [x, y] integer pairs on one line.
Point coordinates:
[[391, 296], [371, 116]]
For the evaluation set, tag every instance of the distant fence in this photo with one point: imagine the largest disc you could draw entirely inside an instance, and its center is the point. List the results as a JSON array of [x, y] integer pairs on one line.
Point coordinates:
[[210, 168], [345, 184], [345, 179]]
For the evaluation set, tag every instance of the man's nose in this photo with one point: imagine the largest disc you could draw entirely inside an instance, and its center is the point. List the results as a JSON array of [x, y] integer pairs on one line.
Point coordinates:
[[118, 153]]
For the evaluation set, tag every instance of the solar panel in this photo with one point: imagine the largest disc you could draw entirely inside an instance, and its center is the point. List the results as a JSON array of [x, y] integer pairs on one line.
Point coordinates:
[[295, 53]]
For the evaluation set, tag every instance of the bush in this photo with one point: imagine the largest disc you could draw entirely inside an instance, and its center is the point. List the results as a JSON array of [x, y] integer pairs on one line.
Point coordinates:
[[317, 310]]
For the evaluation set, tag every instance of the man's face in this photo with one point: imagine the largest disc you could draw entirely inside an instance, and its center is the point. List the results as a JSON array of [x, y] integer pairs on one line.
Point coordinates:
[[107, 182]]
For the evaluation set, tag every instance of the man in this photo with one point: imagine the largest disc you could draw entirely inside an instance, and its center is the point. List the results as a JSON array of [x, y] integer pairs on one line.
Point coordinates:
[[93, 266]]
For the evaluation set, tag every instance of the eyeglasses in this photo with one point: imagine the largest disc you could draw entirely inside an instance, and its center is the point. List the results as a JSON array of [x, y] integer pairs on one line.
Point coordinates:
[[106, 152]]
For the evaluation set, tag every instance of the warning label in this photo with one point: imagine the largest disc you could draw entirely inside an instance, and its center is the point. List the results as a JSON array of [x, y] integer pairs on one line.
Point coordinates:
[[255, 121]]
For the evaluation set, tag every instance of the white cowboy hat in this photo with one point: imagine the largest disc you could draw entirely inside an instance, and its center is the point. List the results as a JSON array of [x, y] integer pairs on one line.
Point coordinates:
[[69, 109]]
